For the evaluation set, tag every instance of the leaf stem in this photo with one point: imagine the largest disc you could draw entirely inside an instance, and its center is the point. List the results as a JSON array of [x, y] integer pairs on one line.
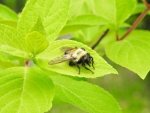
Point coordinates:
[[26, 63], [137, 21], [100, 38]]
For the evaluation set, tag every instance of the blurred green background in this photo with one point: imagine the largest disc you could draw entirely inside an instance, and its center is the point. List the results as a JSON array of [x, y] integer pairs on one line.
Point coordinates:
[[131, 92]]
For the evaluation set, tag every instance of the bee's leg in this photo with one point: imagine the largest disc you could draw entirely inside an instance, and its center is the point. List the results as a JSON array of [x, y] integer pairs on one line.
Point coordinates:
[[88, 63], [78, 68], [73, 63], [86, 67], [92, 62]]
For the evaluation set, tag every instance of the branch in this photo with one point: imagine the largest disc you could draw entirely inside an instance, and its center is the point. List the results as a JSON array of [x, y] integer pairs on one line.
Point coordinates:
[[101, 37]]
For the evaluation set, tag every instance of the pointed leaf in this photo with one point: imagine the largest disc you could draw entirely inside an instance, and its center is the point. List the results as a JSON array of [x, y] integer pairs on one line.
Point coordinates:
[[87, 97], [36, 43], [25, 90], [53, 14], [12, 42], [133, 52], [53, 51]]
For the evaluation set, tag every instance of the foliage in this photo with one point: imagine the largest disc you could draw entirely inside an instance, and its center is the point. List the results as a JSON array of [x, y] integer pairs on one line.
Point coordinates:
[[32, 36]]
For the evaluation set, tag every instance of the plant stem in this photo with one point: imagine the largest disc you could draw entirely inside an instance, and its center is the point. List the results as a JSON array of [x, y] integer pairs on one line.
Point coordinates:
[[137, 21], [26, 63], [101, 37]]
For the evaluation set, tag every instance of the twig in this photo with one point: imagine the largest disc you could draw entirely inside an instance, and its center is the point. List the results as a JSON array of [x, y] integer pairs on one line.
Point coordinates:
[[101, 37]]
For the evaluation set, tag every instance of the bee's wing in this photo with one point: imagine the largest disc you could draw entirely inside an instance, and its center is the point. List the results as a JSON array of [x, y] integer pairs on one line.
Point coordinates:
[[65, 48], [60, 59]]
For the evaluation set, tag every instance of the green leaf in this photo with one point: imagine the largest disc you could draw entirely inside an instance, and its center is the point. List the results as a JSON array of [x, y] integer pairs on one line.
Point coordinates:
[[87, 97], [12, 42], [36, 43], [25, 90], [7, 14], [88, 19], [89, 35], [83, 21], [115, 11], [140, 8], [71, 28], [133, 52], [5, 65], [5, 62], [3, 57], [53, 14], [9, 23], [53, 51]]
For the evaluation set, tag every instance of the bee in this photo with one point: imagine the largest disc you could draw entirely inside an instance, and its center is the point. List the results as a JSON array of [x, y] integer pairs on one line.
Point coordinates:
[[75, 56]]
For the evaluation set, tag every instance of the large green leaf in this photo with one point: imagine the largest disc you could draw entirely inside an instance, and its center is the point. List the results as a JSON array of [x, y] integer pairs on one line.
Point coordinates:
[[25, 90], [83, 21], [53, 51], [12, 42], [133, 52], [7, 14], [115, 11], [53, 14], [87, 97]]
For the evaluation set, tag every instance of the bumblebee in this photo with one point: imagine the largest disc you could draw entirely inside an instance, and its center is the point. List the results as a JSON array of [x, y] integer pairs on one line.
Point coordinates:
[[75, 56]]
